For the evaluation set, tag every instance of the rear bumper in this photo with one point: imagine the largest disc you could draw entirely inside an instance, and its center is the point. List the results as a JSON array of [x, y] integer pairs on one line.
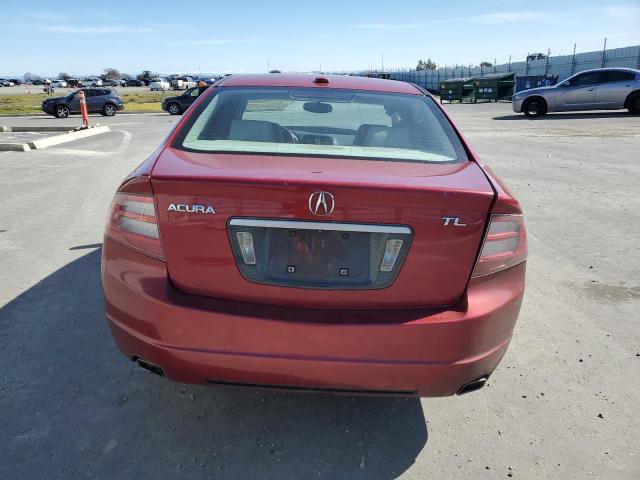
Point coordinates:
[[413, 352]]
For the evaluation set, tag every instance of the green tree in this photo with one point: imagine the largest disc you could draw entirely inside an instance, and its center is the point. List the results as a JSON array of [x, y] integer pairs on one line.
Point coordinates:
[[30, 77], [111, 74], [428, 65]]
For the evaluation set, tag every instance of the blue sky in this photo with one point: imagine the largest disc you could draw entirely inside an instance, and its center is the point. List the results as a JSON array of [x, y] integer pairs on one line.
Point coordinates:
[[246, 36]]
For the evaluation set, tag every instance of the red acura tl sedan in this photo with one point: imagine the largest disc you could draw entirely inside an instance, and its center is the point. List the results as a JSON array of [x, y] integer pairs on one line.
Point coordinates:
[[307, 232]]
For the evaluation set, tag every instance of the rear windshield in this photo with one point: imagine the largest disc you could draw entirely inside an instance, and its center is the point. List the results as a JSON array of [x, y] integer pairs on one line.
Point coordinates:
[[313, 122]]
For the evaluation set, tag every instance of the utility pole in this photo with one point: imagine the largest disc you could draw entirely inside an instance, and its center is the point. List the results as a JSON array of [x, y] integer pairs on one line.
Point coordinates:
[[573, 60], [382, 63], [604, 49], [268, 66]]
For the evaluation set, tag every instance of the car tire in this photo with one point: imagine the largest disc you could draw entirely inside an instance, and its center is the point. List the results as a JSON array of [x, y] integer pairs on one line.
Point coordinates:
[[61, 111], [109, 110], [534, 107], [174, 109], [633, 103]]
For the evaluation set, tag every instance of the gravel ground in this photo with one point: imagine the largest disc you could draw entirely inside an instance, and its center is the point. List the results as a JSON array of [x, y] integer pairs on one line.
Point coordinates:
[[564, 403]]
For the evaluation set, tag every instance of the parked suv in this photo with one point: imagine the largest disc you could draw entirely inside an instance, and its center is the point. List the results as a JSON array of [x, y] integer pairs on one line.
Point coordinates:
[[177, 105], [600, 89], [99, 100]]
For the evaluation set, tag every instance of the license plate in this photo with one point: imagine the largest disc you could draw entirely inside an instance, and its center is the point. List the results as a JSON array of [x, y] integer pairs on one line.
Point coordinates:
[[318, 256]]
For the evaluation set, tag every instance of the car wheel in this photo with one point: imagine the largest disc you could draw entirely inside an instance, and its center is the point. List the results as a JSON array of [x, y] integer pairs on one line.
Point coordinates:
[[109, 110], [633, 103], [534, 107], [61, 111], [174, 109]]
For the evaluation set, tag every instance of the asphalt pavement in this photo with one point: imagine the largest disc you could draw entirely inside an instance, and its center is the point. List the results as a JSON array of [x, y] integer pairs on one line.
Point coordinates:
[[563, 404]]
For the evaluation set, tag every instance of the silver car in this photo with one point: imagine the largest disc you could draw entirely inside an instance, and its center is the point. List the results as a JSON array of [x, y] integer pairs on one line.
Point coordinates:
[[600, 89]]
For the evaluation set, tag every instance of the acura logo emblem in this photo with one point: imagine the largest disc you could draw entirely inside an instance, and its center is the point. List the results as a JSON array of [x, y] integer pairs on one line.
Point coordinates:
[[321, 203]]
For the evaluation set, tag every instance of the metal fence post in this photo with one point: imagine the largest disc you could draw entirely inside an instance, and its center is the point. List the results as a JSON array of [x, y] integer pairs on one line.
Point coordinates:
[[546, 66]]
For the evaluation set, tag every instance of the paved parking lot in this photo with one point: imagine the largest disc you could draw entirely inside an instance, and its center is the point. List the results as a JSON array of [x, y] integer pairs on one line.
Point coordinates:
[[31, 89], [564, 403], [24, 137]]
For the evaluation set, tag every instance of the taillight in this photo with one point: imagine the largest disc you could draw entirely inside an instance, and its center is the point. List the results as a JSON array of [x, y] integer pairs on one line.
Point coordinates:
[[505, 245], [132, 222]]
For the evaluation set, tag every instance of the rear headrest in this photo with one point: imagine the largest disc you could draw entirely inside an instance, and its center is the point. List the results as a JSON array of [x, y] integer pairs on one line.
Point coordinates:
[[253, 131], [370, 135]]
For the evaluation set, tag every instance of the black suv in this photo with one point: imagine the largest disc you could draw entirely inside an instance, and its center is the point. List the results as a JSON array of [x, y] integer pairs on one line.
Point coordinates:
[[99, 100], [177, 105]]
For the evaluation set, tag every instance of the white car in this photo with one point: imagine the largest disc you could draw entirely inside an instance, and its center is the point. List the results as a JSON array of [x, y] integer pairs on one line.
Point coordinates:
[[159, 84], [183, 83], [58, 83], [90, 82]]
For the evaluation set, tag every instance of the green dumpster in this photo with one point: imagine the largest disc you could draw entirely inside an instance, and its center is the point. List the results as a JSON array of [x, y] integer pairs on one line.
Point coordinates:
[[494, 86], [456, 89]]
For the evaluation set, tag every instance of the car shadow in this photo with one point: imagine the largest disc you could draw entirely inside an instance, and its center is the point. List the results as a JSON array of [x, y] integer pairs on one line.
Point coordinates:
[[73, 406], [566, 116]]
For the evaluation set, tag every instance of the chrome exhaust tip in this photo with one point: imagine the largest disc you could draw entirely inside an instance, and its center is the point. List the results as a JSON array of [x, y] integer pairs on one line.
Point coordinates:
[[149, 367], [474, 385]]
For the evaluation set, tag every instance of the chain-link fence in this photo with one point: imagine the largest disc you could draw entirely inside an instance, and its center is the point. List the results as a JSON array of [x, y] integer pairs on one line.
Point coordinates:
[[563, 65]]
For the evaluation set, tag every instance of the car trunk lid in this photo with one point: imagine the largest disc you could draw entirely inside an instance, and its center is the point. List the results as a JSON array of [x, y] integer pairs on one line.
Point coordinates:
[[433, 214]]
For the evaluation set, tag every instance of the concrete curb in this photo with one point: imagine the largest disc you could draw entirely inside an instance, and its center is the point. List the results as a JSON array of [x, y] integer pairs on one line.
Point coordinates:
[[69, 136], [14, 147], [49, 128]]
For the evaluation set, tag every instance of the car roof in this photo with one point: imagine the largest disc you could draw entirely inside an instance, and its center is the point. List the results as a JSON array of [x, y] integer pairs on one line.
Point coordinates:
[[308, 80], [610, 69]]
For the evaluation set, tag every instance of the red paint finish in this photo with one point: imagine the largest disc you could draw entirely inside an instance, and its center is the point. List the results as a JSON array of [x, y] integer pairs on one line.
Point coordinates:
[[305, 81], [432, 330], [195, 339], [197, 250]]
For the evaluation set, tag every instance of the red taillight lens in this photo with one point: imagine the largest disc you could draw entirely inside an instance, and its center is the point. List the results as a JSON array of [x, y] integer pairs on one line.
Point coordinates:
[[504, 246], [132, 222]]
